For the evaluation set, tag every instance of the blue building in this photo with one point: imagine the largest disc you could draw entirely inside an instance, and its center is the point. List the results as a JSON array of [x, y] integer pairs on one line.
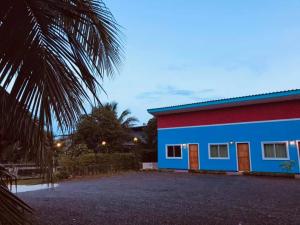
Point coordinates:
[[258, 133]]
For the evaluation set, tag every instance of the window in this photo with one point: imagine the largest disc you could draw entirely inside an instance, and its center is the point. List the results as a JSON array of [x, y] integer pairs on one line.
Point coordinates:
[[218, 151], [174, 151], [275, 150]]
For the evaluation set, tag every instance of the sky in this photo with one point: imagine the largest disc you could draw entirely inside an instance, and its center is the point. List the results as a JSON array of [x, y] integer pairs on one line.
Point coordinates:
[[184, 51]]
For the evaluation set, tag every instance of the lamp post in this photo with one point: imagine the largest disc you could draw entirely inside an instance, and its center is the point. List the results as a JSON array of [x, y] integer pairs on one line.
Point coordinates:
[[135, 150], [104, 145], [57, 146]]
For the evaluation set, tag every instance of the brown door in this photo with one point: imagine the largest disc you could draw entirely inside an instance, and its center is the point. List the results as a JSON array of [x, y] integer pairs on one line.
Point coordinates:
[[299, 150], [243, 157], [193, 157]]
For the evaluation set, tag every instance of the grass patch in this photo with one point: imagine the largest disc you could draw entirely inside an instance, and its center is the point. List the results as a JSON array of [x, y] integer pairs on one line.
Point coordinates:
[[30, 181]]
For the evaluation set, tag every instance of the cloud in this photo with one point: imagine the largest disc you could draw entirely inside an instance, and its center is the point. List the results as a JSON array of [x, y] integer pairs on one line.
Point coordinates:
[[171, 91], [256, 66]]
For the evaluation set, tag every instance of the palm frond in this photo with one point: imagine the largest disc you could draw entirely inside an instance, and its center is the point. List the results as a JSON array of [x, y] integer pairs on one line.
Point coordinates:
[[13, 211], [10, 110], [52, 59], [123, 115], [126, 120], [52, 56], [111, 106], [129, 122]]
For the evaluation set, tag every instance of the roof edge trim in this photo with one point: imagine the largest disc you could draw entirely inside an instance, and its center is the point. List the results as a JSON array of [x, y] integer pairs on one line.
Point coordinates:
[[227, 101]]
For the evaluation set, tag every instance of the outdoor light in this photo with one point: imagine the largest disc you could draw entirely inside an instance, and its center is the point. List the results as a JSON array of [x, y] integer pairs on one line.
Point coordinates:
[[103, 143], [184, 145], [292, 142], [231, 142], [135, 139], [58, 144]]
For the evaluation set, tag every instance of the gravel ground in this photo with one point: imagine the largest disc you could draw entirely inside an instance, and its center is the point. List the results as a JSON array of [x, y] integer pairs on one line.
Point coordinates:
[[169, 198]]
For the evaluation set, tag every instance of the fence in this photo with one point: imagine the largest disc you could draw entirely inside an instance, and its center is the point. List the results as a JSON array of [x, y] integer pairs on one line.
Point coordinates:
[[23, 171]]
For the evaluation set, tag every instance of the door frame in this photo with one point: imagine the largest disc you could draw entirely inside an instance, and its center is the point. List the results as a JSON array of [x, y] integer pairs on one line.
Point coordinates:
[[298, 152], [237, 157], [188, 148]]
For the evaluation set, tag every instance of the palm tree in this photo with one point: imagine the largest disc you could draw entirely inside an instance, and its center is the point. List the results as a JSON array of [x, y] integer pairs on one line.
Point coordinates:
[[124, 119], [52, 55], [104, 124]]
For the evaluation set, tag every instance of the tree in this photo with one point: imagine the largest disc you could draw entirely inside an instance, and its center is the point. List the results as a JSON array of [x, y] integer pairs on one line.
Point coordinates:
[[104, 124], [12, 152], [151, 133], [124, 119], [52, 55]]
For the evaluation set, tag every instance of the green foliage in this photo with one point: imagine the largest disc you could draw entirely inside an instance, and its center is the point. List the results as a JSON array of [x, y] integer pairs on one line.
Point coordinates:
[[11, 153], [101, 163], [287, 166], [103, 124], [77, 150], [67, 161], [61, 174], [151, 133]]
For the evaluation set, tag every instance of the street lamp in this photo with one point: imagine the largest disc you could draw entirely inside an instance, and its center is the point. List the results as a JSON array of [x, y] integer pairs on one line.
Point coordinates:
[[58, 144], [104, 145]]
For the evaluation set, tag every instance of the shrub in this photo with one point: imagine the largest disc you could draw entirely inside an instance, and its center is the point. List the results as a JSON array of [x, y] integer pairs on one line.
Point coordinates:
[[288, 166], [61, 174], [67, 161], [87, 159], [99, 163], [77, 150]]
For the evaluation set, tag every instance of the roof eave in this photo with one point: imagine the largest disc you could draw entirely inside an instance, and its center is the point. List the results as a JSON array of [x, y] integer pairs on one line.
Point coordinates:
[[225, 103]]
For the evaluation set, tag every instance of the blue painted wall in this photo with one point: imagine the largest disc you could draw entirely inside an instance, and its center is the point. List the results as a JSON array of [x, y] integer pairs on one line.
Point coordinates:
[[254, 133]]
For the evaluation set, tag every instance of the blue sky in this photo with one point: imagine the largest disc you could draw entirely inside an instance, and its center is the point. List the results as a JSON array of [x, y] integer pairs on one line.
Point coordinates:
[[183, 51]]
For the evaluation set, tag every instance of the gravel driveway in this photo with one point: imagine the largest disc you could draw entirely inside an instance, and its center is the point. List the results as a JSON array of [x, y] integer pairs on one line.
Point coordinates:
[[169, 198]]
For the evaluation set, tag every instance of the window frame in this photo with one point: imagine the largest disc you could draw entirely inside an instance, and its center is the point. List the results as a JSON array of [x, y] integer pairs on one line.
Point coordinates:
[[275, 142], [218, 158], [166, 149]]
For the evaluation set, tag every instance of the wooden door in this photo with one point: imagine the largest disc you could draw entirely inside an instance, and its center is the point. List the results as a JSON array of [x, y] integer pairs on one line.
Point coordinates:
[[243, 157], [193, 157]]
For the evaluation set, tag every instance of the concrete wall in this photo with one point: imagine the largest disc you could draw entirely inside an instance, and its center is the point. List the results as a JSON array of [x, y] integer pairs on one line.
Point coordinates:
[[253, 132]]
